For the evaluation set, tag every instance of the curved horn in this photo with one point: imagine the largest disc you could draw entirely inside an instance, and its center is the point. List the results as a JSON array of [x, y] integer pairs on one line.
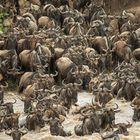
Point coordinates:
[[38, 98], [81, 82], [107, 90], [43, 76], [14, 101], [117, 106], [24, 131], [46, 65], [96, 104], [56, 73], [132, 105], [76, 71], [63, 82], [32, 96], [84, 114], [8, 132], [95, 90], [128, 125], [55, 90], [46, 120], [95, 72], [122, 77], [10, 102], [5, 85]]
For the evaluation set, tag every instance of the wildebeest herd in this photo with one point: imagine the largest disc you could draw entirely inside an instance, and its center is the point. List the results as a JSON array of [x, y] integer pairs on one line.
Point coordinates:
[[57, 48]]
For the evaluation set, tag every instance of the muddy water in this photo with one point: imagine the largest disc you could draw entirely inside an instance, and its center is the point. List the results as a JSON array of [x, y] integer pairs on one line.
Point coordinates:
[[83, 98]]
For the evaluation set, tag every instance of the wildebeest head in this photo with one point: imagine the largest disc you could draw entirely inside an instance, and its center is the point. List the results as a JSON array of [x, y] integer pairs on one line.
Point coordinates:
[[16, 133], [122, 128]]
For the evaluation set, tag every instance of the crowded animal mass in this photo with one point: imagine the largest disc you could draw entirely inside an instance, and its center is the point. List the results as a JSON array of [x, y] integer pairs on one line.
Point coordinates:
[[69, 69]]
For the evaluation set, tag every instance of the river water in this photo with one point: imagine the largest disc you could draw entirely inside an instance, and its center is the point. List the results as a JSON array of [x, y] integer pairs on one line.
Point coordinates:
[[83, 98]]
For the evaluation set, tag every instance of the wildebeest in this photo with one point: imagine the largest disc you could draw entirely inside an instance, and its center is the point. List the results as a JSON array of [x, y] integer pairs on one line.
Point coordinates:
[[10, 121], [121, 51], [68, 93], [29, 58], [56, 128], [9, 107], [121, 129], [16, 134], [35, 120], [103, 94], [89, 125], [64, 65]]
